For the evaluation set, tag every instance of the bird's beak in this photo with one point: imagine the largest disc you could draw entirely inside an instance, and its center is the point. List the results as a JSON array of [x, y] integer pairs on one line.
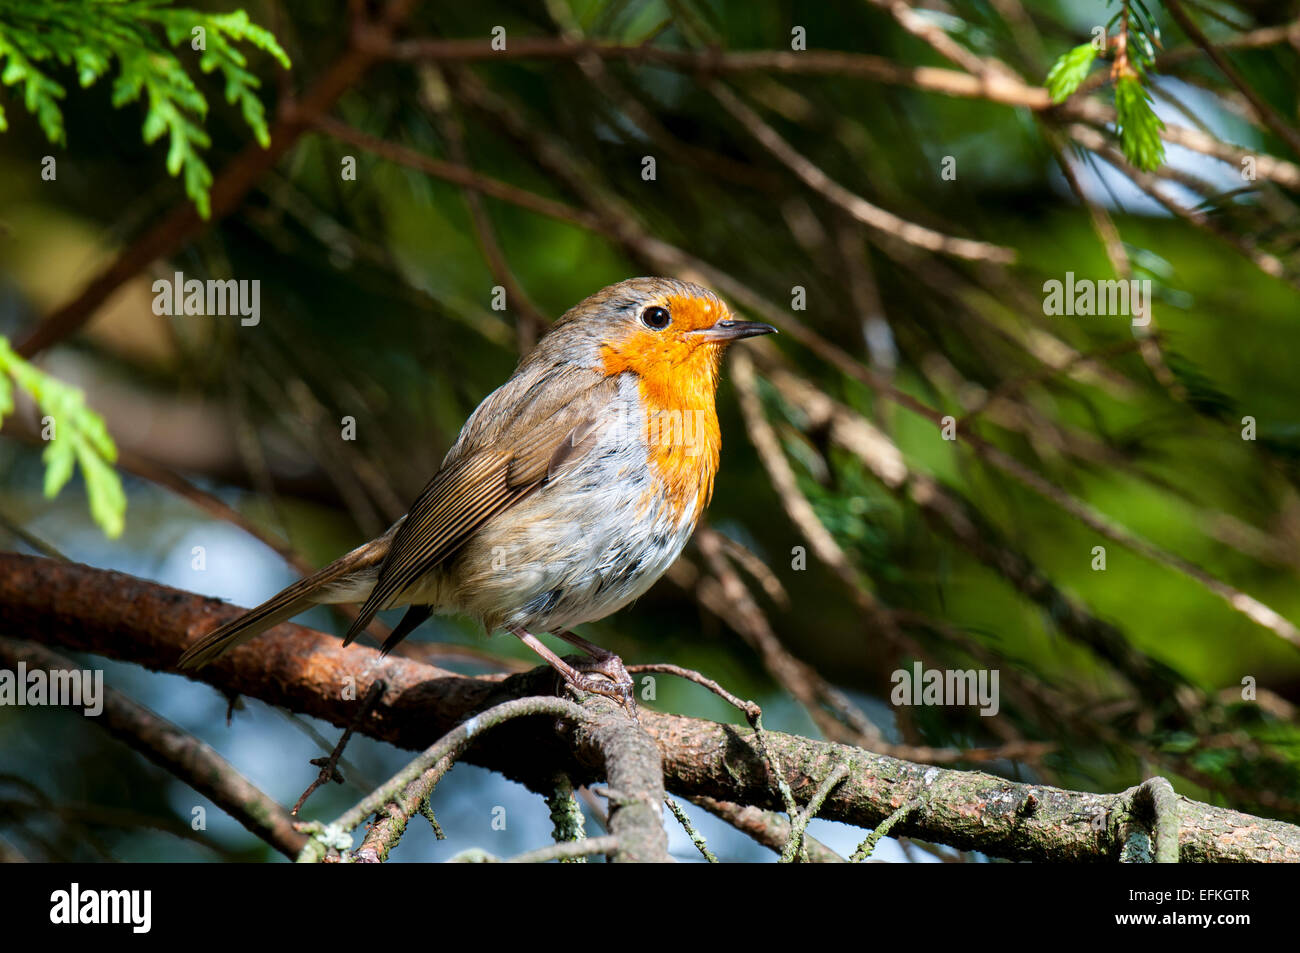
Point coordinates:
[[729, 329]]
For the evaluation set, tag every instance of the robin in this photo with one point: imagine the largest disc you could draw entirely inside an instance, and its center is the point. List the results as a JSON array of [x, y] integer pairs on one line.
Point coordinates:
[[570, 490]]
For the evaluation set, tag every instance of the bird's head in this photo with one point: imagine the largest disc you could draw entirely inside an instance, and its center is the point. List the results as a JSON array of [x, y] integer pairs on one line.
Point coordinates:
[[670, 333]]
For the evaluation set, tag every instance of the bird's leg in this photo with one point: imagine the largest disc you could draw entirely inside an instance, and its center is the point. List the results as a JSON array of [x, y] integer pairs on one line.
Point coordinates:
[[606, 663], [615, 682], [591, 648]]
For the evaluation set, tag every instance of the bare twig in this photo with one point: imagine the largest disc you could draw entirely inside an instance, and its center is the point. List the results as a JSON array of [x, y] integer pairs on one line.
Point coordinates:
[[569, 851], [882, 829], [766, 827], [1265, 113], [1269, 264], [176, 751], [753, 714], [455, 173], [566, 814], [856, 206], [696, 837], [748, 708], [1106, 231], [795, 849], [399, 798], [1157, 794], [329, 766], [530, 322]]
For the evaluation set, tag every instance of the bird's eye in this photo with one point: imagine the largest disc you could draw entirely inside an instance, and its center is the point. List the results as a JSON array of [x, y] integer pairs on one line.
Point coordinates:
[[656, 319]]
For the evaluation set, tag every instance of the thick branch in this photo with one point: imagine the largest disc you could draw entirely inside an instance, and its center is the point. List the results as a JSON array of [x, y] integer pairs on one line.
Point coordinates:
[[303, 670]]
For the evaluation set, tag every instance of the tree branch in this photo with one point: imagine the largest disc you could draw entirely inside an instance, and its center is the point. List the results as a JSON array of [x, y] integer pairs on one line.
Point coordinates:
[[148, 624], [175, 750]]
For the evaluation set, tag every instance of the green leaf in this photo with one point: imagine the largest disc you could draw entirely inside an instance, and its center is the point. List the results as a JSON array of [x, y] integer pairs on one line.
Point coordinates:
[[91, 426], [1138, 125], [80, 436], [104, 489], [59, 458], [1069, 71], [88, 36]]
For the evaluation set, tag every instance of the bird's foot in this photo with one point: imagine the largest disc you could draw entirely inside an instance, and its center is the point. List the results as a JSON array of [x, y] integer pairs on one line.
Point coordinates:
[[602, 675]]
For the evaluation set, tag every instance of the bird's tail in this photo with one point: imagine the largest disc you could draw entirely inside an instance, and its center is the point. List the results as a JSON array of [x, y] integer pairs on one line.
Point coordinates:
[[321, 586]]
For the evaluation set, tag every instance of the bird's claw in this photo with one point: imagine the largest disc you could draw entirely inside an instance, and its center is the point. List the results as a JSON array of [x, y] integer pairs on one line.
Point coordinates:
[[603, 675]]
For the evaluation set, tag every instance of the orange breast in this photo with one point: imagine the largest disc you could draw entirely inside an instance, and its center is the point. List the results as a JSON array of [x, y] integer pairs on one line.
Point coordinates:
[[683, 443], [682, 437]]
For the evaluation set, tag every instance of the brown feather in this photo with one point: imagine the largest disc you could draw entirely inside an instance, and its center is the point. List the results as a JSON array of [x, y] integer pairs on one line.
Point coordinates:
[[490, 469]]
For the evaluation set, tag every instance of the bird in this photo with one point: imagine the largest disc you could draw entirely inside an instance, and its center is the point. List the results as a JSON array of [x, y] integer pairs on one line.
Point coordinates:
[[570, 490]]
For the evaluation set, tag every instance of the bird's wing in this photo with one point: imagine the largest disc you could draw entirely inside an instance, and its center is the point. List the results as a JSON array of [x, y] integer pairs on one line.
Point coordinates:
[[499, 466]]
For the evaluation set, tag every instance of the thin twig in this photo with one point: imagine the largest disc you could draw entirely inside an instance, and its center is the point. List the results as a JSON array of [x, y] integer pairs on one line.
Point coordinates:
[[696, 837], [569, 850], [176, 751], [1163, 802], [799, 823], [24, 535], [752, 712], [1106, 231], [865, 212], [882, 829], [566, 814], [1263, 110], [400, 797], [748, 708], [766, 827], [530, 322], [329, 766], [228, 189]]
